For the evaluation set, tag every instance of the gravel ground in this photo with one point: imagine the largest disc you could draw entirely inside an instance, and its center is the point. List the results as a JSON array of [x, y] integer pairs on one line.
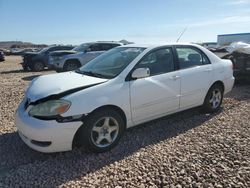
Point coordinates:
[[188, 149]]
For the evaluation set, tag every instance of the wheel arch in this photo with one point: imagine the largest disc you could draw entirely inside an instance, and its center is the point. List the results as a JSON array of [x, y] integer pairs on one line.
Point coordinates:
[[218, 82], [72, 60], [75, 141]]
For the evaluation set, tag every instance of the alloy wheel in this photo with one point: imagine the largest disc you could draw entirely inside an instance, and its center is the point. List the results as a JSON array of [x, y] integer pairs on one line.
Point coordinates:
[[104, 132], [215, 98]]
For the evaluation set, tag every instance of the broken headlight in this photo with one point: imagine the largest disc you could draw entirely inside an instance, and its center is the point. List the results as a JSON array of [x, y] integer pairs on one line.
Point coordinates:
[[50, 108]]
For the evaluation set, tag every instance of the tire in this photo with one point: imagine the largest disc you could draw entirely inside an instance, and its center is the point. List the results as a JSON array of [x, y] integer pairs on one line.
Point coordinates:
[[71, 65], [37, 66], [213, 99], [102, 130], [26, 68]]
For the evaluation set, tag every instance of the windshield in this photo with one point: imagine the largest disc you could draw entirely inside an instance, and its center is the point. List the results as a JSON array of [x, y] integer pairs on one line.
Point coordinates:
[[81, 48], [111, 63], [44, 50]]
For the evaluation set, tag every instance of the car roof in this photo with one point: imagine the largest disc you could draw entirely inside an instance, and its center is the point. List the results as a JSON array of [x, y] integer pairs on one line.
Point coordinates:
[[102, 42], [212, 56], [107, 42], [159, 45], [52, 46]]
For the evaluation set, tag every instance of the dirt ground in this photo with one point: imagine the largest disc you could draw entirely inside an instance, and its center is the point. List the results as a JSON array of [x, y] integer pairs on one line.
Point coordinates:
[[188, 149]]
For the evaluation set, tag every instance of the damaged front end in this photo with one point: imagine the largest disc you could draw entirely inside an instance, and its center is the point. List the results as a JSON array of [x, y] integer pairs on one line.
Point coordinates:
[[29, 106]]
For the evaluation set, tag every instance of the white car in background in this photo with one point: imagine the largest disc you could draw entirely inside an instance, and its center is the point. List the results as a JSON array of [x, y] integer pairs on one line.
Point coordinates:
[[68, 60], [121, 88]]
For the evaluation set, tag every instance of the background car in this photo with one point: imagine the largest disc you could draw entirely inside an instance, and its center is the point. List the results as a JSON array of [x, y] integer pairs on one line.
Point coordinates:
[[23, 51], [37, 61], [2, 58], [5, 51], [80, 55], [121, 88]]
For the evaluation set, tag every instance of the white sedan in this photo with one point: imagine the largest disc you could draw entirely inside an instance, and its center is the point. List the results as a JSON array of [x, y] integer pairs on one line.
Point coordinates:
[[121, 88]]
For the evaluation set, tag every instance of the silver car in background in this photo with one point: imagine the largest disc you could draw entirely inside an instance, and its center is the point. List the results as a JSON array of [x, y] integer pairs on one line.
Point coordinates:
[[78, 56]]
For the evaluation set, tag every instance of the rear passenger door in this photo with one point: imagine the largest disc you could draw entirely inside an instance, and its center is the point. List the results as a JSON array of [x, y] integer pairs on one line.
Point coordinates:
[[196, 75]]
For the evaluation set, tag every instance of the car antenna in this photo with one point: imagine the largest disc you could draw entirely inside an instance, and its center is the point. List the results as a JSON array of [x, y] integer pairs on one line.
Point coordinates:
[[184, 30]]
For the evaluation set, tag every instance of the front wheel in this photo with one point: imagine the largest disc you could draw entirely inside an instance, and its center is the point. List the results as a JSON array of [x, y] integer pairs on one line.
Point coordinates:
[[102, 130], [213, 99], [71, 65], [37, 66]]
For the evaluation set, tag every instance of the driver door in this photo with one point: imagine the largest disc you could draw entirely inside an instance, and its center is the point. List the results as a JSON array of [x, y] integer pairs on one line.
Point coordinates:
[[158, 94]]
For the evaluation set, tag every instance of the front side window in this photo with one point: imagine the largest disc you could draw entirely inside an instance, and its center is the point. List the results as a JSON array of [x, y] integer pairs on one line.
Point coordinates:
[[111, 63], [44, 50], [159, 61], [190, 57]]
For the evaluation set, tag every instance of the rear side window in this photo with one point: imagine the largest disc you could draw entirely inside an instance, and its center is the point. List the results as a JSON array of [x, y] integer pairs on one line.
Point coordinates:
[[95, 47], [67, 48], [115, 45], [105, 47], [191, 57]]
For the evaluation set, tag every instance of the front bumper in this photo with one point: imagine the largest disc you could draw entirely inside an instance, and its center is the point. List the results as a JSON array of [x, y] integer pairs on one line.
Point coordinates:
[[56, 64], [45, 135], [52, 67]]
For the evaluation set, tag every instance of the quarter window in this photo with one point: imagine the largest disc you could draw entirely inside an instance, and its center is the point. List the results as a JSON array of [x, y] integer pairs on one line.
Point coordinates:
[[190, 57], [159, 61]]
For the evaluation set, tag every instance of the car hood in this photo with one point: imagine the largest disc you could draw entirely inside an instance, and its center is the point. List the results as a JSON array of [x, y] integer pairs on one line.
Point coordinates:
[[45, 86], [62, 53]]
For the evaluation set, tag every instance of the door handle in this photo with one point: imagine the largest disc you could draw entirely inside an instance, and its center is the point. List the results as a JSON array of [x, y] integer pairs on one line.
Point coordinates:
[[175, 77]]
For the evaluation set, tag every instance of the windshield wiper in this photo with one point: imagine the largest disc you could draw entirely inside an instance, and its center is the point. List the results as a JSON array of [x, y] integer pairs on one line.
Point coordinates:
[[90, 73], [78, 71]]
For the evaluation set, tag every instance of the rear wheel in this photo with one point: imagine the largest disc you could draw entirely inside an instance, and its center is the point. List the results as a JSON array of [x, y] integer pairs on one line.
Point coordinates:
[[71, 65], [37, 66], [102, 130], [213, 98]]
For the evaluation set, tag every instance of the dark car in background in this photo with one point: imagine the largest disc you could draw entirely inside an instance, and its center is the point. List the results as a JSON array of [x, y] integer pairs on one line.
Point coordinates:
[[37, 61], [241, 65], [2, 56]]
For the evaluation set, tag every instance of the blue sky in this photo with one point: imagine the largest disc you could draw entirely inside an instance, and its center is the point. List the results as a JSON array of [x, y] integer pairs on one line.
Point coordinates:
[[140, 21]]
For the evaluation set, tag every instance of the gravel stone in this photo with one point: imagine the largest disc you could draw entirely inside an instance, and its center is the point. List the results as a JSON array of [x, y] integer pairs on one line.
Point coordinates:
[[188, 149]]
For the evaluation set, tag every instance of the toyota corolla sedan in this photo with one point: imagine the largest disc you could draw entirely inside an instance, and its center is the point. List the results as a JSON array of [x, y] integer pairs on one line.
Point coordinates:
[[121, 88]]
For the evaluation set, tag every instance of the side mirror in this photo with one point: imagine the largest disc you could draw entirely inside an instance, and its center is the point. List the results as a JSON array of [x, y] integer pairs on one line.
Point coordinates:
[[141, 73]]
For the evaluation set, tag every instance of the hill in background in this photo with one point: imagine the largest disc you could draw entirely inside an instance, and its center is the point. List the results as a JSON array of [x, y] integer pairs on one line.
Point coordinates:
[[20, 44]]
